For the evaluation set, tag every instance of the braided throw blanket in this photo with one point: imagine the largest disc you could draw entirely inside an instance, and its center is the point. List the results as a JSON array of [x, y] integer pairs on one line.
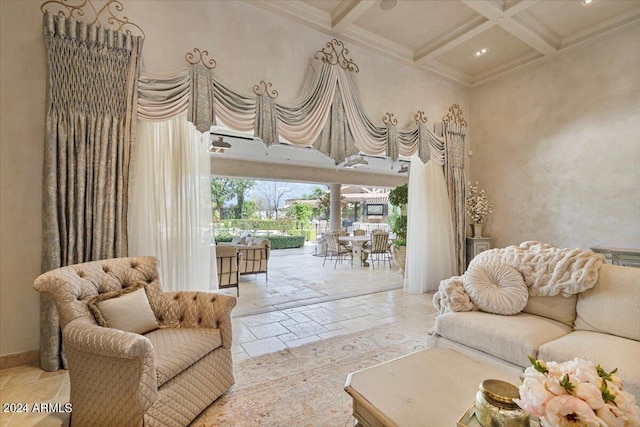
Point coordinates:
[[546, 270]]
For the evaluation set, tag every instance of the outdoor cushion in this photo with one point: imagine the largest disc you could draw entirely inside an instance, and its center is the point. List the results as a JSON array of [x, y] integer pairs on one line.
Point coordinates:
[[512, 338], [496, 288], [609, 351], [176, 349]]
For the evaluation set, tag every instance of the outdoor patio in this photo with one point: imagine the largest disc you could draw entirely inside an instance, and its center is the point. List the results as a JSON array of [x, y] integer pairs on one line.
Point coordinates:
[[297, 278]]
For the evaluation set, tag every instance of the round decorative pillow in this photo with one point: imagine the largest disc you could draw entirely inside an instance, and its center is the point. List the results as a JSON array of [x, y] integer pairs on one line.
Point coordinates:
[[496, 288]]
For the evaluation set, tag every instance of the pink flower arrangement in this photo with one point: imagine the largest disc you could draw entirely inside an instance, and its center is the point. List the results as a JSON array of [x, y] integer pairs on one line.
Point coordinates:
[[576, 393]]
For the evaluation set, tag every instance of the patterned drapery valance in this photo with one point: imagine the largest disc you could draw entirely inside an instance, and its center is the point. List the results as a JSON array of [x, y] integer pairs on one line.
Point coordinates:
[[328, 115]]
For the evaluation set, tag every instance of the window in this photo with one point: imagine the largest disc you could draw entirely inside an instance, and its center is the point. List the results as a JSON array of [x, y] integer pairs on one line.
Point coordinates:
[[375, 210]]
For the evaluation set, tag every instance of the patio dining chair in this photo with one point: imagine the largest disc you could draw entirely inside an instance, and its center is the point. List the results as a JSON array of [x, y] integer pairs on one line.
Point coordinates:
[[359, 232], [335, 249], [379, 249]]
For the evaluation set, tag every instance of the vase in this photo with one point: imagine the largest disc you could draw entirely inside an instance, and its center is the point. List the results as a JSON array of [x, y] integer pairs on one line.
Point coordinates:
[[399, 254], [477, 229]]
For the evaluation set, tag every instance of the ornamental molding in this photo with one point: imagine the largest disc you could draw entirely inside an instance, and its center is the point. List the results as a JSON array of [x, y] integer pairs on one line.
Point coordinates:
[[455, 116], [334, 53], [420, 117], [200, 57], [264, 88], [389, 119], [90, 12]]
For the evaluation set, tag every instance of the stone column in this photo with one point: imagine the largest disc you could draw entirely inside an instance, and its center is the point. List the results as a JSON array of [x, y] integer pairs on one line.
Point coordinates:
[[335, 222]]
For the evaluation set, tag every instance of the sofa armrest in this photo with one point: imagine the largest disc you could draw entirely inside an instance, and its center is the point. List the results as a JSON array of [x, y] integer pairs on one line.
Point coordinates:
[[117, 365], [188, 309]]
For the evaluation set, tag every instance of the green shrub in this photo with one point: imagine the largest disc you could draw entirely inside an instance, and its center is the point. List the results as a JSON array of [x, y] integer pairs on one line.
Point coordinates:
[[286, 242], [277, 242]]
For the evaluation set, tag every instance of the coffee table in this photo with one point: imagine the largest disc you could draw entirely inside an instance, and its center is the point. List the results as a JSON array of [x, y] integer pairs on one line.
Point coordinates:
[[428, 388]]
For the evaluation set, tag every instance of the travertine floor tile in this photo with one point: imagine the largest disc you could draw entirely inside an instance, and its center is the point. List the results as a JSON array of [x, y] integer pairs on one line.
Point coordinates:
[[324, 304]]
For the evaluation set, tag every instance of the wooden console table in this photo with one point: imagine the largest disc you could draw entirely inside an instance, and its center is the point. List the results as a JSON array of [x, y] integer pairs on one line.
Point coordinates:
[[619, 256]]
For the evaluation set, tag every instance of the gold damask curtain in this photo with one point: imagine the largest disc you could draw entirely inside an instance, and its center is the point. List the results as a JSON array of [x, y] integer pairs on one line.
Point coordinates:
[[90, 119]]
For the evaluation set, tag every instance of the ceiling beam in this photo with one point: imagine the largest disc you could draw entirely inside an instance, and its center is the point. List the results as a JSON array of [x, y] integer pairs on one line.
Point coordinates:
[[348, 11], [447, 41], [508, 21]]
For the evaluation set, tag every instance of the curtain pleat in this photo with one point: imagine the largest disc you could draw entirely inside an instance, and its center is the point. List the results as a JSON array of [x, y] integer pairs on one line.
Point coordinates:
[[266, 127], [91, 101], [202, 100], [161, 97], [430, 248], [170, 215], [456, 185], [336, 140]]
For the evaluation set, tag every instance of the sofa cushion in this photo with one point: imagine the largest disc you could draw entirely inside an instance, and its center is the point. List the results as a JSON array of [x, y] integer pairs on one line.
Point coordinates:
[[558, 307], [238, 240], [127, 310], [496, 288], [609, 351], [612, 306], [175, 349], [512, 338]]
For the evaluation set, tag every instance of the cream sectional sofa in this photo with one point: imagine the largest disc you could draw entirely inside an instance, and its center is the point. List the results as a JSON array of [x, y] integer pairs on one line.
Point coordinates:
[[601, 325]]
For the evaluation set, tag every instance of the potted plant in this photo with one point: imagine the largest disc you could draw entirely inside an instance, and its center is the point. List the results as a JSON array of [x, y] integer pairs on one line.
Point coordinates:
[[399, 197], [478, 207]]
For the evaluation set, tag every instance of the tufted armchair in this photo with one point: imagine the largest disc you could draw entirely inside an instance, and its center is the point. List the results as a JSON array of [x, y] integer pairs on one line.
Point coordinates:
[[165, 377]]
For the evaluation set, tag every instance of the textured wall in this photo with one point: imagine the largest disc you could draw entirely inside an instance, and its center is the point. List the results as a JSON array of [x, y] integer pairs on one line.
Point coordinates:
[[249, 45], [558, 146], [22, 109]]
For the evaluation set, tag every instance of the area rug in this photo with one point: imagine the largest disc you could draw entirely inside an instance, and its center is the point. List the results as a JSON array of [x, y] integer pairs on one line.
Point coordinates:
[[304, 386]]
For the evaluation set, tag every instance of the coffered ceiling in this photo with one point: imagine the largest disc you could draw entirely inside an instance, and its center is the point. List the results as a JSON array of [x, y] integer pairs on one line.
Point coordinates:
[[441, 37]]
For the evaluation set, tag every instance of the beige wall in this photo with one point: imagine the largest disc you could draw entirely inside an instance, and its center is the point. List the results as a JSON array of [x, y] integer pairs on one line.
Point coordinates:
[[558, 146], [249, 45]]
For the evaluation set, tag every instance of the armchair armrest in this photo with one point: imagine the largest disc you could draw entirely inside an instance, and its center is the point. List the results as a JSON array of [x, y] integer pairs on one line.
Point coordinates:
[[117, 365], [188, 309]]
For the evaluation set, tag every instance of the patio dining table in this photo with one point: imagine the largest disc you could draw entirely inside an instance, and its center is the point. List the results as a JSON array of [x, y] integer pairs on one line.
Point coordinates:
[[357, 242]]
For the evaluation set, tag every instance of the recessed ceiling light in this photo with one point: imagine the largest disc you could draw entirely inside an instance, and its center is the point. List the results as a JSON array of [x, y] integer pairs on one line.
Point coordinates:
[[586, 2], [388, 4], [481, 52]]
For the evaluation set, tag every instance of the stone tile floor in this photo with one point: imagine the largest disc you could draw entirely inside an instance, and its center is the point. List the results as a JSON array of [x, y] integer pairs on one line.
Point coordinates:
[[302, 302]]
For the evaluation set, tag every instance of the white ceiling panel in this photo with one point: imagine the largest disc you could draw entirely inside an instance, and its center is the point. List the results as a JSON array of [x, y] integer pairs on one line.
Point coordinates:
[[440, 36], [502, 48], [566, 17], [414, 23]]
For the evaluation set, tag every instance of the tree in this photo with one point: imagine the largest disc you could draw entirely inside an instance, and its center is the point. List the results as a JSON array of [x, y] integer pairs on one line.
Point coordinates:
[[323, 196], [301, 213], [222, 191], [274, 193], [240, 187]]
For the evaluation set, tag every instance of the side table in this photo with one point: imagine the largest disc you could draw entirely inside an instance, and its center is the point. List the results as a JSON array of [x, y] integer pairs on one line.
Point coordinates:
[[475, 245]]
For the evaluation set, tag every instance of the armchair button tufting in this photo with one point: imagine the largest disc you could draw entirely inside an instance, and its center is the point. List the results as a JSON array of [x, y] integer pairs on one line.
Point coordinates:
[[80, 273], [199, 321], [134, 265], [177, 297], [105, 268], [181, 319], [195, 297], [213, 299]]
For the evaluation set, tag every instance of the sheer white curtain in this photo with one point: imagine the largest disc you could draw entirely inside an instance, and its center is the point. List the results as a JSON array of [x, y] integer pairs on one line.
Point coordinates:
[[430, 254], [170, 214]]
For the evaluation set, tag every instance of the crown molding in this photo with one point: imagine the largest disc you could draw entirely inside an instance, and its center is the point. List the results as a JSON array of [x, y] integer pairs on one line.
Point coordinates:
[[348, 11]]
